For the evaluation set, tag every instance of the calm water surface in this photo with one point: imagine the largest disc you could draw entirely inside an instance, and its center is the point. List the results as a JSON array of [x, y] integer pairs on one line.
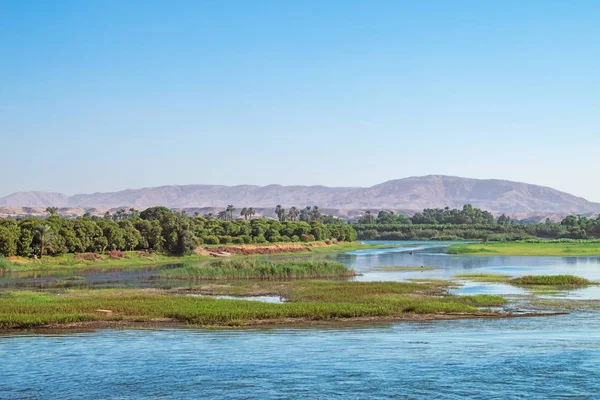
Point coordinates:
[[524, 358], [528, 358], [434, 254]]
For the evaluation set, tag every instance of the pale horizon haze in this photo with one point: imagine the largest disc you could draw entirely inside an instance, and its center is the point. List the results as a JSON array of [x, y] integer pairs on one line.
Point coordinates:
[[109, 95]]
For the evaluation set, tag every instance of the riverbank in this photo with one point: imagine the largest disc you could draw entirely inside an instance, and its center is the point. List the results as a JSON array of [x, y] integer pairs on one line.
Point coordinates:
[[141, 259], [541, 248], [306, 302]]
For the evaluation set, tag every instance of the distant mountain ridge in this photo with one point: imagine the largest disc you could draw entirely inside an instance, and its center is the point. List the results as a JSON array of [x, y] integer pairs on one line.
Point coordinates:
[[414, 193]]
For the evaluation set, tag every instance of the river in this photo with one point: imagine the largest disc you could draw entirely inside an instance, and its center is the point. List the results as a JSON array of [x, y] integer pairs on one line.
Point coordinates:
[[520, 358]]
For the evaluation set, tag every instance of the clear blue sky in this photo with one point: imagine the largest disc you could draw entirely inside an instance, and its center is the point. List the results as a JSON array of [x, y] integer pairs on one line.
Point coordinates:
[[109, 95]]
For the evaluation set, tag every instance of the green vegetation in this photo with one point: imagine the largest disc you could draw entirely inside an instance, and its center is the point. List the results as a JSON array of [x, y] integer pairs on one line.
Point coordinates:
[[483, 277], [142, 259], [531, 248], [128, 259], [157, 229], [550, 280], [469, 224], [307, 301], [545, 282], [259, 269]]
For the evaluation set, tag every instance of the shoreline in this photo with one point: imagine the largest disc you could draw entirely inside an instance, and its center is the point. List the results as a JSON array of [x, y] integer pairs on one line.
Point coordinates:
[[134, 259], [292, 323]]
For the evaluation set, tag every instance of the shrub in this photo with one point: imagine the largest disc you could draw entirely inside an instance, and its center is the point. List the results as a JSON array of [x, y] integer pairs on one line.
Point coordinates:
[[87, 257], [225, 239], [116, 254], [211, 240], [307, 238]]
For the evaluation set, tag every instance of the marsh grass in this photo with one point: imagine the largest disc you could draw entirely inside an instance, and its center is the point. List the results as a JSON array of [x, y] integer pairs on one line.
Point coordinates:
[[264, 269], [531, 248], [550, 280], [5, 265], [306, 300]]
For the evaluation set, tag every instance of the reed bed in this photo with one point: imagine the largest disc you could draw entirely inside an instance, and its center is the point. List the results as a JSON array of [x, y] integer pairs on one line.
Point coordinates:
[[551, 280], [259, 269]]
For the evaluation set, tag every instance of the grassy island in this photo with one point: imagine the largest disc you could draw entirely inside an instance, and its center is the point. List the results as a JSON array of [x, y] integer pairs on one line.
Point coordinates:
[[530, 248], [306, 302], [555, 281]]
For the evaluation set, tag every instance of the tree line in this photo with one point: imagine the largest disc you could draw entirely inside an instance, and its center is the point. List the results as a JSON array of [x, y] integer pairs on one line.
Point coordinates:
[[470, 223], [468, 215], [156, 229]]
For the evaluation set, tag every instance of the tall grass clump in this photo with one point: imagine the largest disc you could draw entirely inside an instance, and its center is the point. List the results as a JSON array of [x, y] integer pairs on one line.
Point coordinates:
[[259, 269], [551, 280], [5, 265]]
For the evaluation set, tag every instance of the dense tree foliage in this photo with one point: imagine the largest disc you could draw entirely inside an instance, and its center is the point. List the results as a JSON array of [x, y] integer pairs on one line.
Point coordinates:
[[469, 223], [158, 229], [433, 216]]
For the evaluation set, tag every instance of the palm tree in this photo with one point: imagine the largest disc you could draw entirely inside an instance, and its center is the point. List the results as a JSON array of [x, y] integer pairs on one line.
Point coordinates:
[[119, 215], [251, 212], [368, 217], [52, 211], [244, 213], [280, 211], [305, 214], [223, 215], [293, 214], [44, 234], [230, 209], [315, 214]]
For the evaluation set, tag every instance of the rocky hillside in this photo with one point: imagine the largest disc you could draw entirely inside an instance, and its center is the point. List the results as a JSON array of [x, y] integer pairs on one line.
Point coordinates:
[[415, 193]]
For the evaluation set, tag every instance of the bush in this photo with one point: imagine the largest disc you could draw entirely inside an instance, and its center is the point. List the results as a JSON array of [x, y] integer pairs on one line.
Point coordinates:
[[307, 238], [87, 257], [237, 240], [211, 240], [116, 254], [225, 239]]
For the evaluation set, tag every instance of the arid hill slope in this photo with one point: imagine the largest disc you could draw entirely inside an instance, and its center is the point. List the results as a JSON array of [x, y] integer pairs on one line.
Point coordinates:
[[415, 193]]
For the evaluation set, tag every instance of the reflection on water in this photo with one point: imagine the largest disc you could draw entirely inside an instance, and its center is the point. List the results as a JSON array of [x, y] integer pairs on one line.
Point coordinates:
[[434, 254]]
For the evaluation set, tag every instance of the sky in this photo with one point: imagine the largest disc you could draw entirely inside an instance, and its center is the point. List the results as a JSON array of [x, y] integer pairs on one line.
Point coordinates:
[[109, 95]]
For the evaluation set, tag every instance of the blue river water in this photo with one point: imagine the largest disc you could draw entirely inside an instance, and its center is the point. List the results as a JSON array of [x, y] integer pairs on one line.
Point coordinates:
[[554, 357]]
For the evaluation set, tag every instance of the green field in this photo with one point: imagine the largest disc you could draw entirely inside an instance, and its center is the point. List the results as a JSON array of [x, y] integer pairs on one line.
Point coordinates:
[[307, 301], [541, 248]]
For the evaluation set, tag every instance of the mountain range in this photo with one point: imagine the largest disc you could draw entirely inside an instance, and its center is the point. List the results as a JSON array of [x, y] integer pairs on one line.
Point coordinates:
[[414, 193]]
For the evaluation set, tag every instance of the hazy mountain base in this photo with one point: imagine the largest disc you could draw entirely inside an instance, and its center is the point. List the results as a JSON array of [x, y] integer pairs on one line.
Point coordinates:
[[414, 193]]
